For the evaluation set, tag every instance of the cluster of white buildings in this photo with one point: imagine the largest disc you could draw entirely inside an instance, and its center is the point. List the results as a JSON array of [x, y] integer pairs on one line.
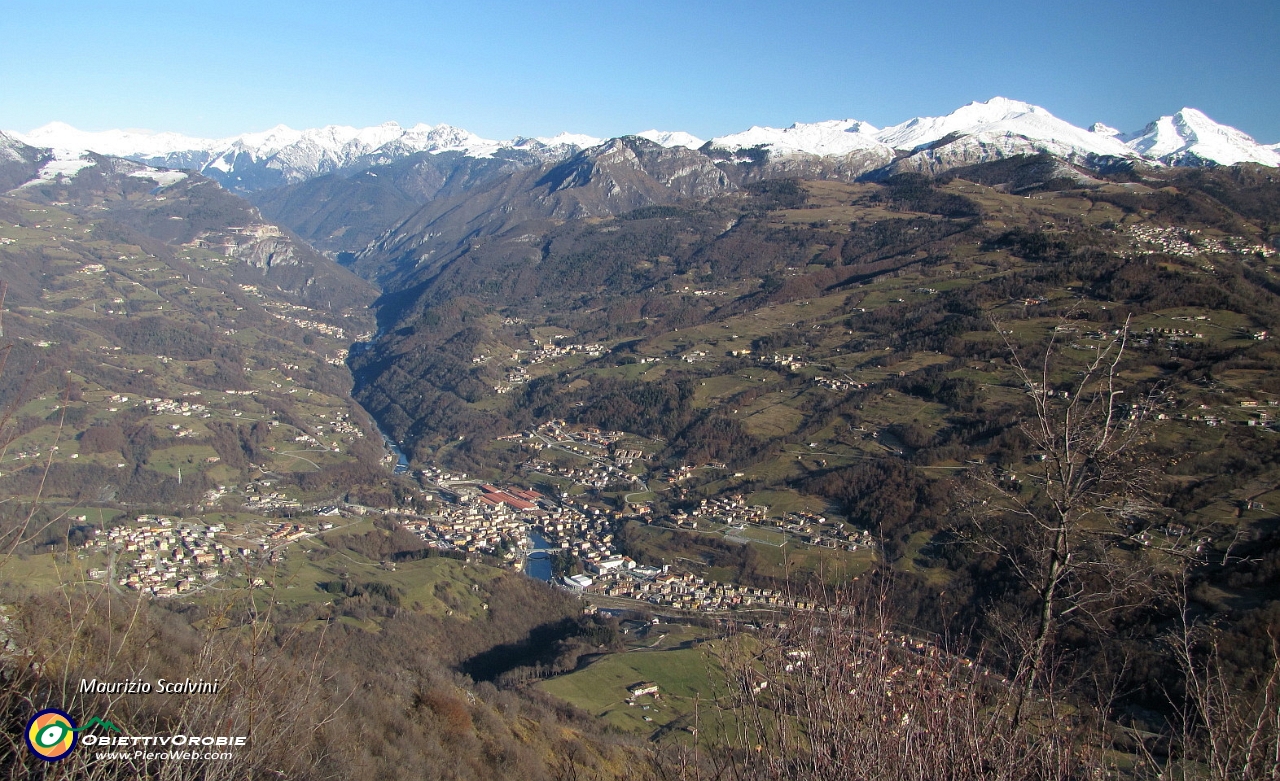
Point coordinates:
[[598, 476], [542, 353], [1173, 333], [839, 383], [731, 510], [584, 531], [340, 426], [559, 431], [498, 521], [516, 375], [259, 498], [813, 529], [177, 407], [163, 558], [473, 528], [1181, 242], [789, 362], [305, 323], [685, 591], [1255, 415]]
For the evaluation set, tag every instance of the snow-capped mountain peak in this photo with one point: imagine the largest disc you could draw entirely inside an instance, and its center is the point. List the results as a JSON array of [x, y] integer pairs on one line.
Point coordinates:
[[1012, 124], [976, 132], [269, 142], [1103, 130], [965, 120], [1189, 137]]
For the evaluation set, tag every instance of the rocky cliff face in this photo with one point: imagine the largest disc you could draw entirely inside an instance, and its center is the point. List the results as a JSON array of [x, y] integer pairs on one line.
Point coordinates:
[[960, 151], [846, 168], [616, 177], [624, 174], [19, 162], [344, 211]]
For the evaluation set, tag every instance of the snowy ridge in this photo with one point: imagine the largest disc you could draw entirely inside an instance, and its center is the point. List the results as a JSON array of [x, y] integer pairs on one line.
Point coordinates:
[[334, 141], [1001, 127], [833, 138], [1191, 138]]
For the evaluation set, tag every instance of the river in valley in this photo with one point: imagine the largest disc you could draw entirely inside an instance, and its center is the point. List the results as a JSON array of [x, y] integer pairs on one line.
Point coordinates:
[[538, 563]]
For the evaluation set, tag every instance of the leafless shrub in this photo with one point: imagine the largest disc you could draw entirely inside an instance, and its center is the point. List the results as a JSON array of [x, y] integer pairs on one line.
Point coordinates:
[[839, 694], [1228, 720], [1067, 523], [84, 632]]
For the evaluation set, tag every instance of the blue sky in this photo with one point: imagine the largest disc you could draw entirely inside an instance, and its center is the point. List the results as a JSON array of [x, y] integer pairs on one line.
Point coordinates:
[[506, 68]]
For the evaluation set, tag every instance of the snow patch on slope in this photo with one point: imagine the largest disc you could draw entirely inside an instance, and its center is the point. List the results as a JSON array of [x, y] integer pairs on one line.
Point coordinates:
[[160, 177], [63, 164]]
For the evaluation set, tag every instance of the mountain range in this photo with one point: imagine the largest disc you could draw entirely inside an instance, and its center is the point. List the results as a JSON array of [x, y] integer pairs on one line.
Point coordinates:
[[973, 133], [404, 194]]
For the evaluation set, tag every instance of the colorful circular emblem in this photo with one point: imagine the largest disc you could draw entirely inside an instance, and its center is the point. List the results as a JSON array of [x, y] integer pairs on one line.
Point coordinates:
[[50, 734]]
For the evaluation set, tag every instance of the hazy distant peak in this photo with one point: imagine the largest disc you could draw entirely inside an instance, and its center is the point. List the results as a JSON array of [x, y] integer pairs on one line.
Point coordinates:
[[61, 136], [578, 140]]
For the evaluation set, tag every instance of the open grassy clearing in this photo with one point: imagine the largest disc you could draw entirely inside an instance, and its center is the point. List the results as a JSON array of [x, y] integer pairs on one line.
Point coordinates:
[[682, 675]]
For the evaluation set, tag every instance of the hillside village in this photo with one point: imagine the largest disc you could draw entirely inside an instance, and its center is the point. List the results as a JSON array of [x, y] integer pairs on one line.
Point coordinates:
[[165, 557]]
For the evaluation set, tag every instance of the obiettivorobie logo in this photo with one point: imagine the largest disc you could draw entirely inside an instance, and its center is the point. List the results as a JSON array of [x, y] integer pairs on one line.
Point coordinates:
[[51, 733]]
